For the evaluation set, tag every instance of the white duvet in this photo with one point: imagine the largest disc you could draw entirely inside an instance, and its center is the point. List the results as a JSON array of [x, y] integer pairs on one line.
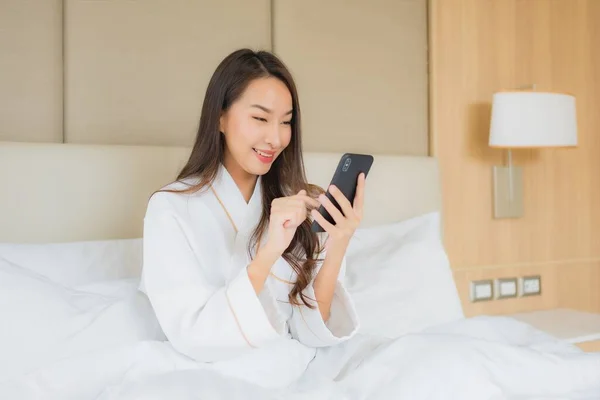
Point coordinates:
[[477, 358], [74, 327]]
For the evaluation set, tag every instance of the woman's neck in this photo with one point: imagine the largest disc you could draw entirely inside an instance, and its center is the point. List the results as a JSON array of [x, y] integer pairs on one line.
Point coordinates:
[[245, 182]]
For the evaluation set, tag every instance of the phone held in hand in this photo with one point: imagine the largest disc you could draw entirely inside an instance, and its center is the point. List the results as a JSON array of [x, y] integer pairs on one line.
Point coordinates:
[[345, 178]]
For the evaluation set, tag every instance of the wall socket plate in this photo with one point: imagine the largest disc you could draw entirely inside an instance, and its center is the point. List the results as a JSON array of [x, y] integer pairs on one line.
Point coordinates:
[[482, 290], [530, 285], [506, 288]]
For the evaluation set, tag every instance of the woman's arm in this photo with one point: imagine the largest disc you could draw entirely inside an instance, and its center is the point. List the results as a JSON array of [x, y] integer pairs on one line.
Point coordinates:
[[202, 317], [336, 319], [260, 267], [326, 280], [287, 213], [337, 241]]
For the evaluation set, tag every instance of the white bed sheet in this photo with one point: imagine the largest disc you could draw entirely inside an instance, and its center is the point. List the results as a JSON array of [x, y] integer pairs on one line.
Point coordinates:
[[412, 344], [477, 358]]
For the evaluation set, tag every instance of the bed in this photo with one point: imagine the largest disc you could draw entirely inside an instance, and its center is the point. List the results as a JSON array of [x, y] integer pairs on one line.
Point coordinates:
[[76, 327]]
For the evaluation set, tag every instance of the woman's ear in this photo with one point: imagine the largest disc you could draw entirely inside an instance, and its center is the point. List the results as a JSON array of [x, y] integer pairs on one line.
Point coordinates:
[[222, 123]]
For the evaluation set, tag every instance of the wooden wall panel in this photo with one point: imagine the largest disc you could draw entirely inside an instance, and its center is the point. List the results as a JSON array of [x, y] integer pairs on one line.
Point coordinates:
[[580, 286], [478, 48]]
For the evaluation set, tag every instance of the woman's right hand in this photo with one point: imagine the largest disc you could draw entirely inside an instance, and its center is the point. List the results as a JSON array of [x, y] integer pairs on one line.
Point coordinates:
[[287, 214]]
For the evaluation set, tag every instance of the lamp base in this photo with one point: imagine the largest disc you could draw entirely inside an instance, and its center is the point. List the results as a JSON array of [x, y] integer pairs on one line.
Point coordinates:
[[508, 203]]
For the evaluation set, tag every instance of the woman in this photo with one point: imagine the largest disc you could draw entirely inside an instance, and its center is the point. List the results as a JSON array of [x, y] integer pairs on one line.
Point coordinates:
[[235, 275]]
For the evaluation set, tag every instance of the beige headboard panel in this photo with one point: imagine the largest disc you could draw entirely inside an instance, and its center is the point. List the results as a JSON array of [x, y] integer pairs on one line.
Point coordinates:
[[31, 70], [68, 192], [136, 71], [361, 71]]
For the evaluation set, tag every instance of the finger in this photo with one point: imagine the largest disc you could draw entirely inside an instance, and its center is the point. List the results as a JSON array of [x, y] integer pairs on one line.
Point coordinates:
[[309, 202], [289, 224], [359, 198], [300, 201], [290, 205], [301, 216], [306, 202], [293, 204], [342, 201], [301, 193], [329, 228], [297, 209], [290, 219], [296, 214], [331, 209]]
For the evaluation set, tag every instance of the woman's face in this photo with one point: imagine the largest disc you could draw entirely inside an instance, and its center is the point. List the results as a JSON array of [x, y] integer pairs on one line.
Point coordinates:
[[257, 126]]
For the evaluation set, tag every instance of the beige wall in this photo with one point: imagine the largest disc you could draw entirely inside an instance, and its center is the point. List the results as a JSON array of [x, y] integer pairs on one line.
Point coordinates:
[[135, 72], [361, 69], [477, 48], [31, 70]]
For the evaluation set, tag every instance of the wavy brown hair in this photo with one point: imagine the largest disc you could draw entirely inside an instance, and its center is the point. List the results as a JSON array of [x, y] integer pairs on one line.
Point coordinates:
[[286, 175]]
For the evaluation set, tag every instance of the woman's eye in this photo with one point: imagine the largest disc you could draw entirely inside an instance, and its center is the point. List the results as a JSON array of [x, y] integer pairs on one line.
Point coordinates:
[[260, 119], [287, 122]]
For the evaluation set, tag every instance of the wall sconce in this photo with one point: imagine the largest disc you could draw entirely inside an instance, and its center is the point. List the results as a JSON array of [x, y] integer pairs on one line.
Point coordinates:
[[526, 120]]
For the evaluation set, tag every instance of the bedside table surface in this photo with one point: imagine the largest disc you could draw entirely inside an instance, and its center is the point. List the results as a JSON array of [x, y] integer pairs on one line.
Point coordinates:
[[570, 325]]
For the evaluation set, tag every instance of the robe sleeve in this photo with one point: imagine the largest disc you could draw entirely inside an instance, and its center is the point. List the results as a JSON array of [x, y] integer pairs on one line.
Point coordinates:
[[308, 327], [202, 320]]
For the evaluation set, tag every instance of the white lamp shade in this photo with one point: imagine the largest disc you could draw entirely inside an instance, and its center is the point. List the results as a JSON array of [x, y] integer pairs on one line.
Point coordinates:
[[533, 119]]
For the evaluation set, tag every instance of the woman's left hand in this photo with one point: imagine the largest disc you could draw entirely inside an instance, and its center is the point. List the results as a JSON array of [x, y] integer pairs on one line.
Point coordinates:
[[346, 223]]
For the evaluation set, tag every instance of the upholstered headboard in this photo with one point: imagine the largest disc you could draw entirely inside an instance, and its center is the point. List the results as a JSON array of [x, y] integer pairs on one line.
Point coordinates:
[[67, 192], [135, 72]]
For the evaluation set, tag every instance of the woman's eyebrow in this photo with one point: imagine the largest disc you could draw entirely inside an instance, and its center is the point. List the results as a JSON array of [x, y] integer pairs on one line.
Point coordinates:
[[267, 110]]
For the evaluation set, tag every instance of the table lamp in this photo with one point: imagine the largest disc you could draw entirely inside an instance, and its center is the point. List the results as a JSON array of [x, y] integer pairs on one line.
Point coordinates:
[[523, 119]]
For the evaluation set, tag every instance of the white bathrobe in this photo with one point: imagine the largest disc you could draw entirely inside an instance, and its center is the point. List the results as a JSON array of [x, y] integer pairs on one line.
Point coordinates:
[[195, 276]]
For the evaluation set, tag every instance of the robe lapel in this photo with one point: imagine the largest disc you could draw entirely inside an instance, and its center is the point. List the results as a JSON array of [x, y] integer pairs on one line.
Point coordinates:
[[244, 217]]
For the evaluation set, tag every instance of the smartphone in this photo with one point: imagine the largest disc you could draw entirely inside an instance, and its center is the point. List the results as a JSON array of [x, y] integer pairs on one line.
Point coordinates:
[[345, 178]]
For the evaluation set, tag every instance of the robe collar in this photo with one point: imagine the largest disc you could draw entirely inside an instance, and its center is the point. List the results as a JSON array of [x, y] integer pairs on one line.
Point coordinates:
[[245, 216]]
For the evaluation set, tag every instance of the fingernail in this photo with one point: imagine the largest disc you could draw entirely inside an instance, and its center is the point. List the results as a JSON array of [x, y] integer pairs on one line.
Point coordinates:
[[332, 187]]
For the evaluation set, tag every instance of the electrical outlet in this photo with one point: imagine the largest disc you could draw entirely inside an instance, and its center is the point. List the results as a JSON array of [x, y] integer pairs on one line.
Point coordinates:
[[482, 290], [530, 285], [506, 288]]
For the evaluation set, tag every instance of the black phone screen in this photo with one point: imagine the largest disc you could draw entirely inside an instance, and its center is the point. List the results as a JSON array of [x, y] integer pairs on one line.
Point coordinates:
[[345, 178]]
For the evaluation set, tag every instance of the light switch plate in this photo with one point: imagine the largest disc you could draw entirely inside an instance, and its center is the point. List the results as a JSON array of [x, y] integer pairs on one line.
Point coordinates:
[[482, 290], [504, 205], [506, 288], [530, 285]]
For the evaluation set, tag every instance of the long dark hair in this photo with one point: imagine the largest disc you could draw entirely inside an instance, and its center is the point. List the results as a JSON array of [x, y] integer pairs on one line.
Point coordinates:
[[286, 176]]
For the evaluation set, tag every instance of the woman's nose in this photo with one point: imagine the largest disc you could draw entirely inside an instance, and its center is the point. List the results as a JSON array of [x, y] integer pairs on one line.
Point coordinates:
[[274, 136]]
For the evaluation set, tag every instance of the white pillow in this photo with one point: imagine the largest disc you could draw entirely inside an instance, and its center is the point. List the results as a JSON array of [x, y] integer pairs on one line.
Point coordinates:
[[78, 263], [400, 278], [43, 321]]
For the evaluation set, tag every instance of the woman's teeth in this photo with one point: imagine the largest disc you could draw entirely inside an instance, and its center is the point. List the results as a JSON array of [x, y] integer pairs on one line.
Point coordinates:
[[263, 154]]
